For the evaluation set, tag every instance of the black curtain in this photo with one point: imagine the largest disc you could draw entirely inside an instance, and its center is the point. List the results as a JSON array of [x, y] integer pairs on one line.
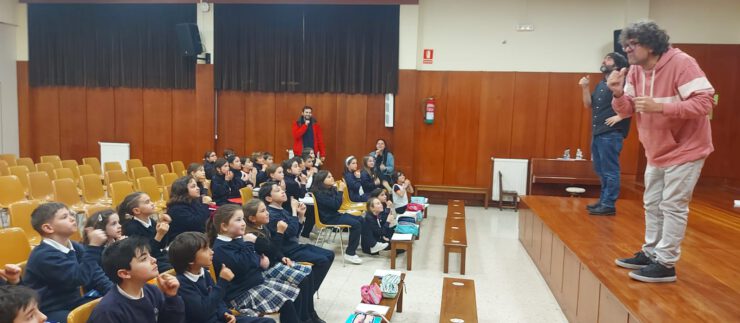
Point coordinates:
[[291, 48], [258, 47], [108, 45]]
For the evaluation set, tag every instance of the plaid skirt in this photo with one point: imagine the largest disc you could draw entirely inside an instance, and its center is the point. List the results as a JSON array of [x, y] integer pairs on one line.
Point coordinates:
[[265, 298], [293, 275]]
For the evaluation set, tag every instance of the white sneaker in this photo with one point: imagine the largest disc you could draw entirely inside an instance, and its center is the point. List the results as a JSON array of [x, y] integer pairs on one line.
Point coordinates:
[[355, 259], [378, 247]]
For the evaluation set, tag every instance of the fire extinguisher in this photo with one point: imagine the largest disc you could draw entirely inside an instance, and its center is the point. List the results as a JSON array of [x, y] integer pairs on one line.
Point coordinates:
[[429, 110]]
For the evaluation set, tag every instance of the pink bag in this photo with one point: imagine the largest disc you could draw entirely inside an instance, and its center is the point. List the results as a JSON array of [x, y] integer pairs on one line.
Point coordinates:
[[371, 294], [414, 207]]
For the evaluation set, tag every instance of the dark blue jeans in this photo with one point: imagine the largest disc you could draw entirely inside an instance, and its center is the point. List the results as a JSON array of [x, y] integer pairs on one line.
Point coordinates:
[[605, 149]]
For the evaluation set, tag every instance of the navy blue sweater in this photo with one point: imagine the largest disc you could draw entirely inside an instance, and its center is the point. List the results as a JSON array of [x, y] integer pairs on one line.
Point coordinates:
[[187, 217], [57, 276], [240, 257], [153, 308], [293, 189], [204, 300], [290, 236], [270, 244], [353, 186], [328, 202], [134, 228], [223, 190]]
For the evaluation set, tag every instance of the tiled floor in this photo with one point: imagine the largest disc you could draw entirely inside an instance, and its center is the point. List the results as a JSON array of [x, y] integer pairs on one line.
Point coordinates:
[[508, 286]]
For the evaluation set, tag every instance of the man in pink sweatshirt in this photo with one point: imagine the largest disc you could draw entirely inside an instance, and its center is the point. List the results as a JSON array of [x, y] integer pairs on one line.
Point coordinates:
[[670, 98]]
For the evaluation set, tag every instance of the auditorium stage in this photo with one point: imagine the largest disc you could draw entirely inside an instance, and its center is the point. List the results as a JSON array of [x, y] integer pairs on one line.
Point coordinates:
[[575, 254]]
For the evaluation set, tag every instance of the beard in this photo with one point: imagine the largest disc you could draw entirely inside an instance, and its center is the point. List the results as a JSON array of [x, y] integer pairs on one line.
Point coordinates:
[[607, 68]]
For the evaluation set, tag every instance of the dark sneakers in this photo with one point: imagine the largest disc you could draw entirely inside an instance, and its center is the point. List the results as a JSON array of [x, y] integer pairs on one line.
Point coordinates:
[[639, 261], [654, 273], [592, 206], [602, 210]]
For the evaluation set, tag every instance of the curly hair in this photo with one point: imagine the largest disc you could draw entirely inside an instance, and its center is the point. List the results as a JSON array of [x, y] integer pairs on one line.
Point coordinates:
[[648, 34]]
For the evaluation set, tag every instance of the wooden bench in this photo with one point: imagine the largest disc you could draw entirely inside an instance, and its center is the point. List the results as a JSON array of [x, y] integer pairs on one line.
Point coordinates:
[[407, 245], [455, 238], [458, 301], [457, 189], [394, 304]]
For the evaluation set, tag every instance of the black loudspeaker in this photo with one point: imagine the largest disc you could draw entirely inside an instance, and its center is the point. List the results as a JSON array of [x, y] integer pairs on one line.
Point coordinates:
[[617, 45], [189, 39]]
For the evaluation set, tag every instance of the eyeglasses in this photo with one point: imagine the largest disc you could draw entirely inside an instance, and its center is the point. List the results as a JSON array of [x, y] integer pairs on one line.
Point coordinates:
[[630, 46]]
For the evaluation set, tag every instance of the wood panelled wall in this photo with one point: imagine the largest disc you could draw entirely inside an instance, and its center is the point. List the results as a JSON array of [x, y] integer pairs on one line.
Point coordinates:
[[479, 115]]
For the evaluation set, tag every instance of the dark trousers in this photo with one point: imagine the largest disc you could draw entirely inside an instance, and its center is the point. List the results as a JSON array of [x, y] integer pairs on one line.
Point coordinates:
[[310, 221], [605, 149], [355, 231], [304, 302], [319, 257]]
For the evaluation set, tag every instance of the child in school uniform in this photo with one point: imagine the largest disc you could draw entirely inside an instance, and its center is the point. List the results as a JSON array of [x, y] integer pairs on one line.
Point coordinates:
[[186, 208], [249, 293], [19, 304], [58, 267], [191, 257], [136, 210], [401, 187], [295, 186], [223, 185], [354, 178], [130, 265], [376, 235], [198, 173], [106, 220]]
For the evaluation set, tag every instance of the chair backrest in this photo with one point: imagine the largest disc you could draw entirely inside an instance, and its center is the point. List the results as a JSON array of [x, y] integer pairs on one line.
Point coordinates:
[[14, 246], [118, 191], [65, 191], [115, 176], [25, 161], [22, 173], [92, 209], [73, 165], [49, 158], [94, 164], [148, 185], [169, 178], [178, 168], [317, 222], [11, 190], [61, 173], [4, 171], [92, 189], [139, 172], [158, 170], [20, 217], [246, 193], [82, 313], [112, 165], [85, 170], [39, 186], [9, 158], [46, 167], [131, 164]]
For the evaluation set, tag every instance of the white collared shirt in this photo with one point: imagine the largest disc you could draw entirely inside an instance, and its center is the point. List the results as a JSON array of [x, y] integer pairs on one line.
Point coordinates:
[[224, 238], [141, 294], [145, 224], [58, 246], [192, 277]]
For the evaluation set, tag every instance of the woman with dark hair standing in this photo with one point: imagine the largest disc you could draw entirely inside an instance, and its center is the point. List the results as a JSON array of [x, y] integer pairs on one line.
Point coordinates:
[[384, 167]]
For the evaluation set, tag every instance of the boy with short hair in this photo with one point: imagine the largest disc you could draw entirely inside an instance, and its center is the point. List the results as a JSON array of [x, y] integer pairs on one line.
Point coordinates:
[[58, 267], [128, 263], [19, 304], [204, 300]]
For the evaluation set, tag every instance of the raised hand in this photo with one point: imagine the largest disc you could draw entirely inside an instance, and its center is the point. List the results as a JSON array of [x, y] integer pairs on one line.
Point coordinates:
[[168, 284], [647, 104], [250, 237], [281, 226], [11, 273], [584, 81], [264, 262], [615, 82], [226, 273], [97, 237]]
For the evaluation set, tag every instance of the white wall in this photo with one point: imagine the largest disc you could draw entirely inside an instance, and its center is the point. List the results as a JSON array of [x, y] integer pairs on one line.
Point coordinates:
[[8, 78], [691, 21]]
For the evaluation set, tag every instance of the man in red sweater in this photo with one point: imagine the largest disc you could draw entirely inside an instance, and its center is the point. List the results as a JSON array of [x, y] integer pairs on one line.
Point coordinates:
[[307, 133], [670, 98]]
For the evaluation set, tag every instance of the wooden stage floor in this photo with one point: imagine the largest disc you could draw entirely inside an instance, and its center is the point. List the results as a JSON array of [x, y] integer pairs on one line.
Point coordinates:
[[575, 253]]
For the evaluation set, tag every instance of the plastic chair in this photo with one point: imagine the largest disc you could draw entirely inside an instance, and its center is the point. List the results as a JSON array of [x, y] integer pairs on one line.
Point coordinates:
[[52, 159], [65, 191], [61, 173], [39, 186], [46, 167], [131, 164], [92, 209], [118, 192], [82, 313], [11, 190], [139, 172], [22, 173], [149, 186], [158, 170], [115, 176], [168, 179], [349, 207], [114, 165], [246, 194], [327, 229], [74, 166], [9, 158], [4, 171], [14, 247], [92, 190], [86, 170], [94, 164], [178, 168], [25, 161], [20, 217]]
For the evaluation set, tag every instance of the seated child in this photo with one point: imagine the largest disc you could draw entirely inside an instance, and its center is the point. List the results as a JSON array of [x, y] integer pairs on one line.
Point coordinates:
[[204, 300], [137, 209], [58, 267], [376, 235], [107, 221], [19, 304], [186, 208], [400, 188], [129, 264], [249, 293], [223, 185]]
